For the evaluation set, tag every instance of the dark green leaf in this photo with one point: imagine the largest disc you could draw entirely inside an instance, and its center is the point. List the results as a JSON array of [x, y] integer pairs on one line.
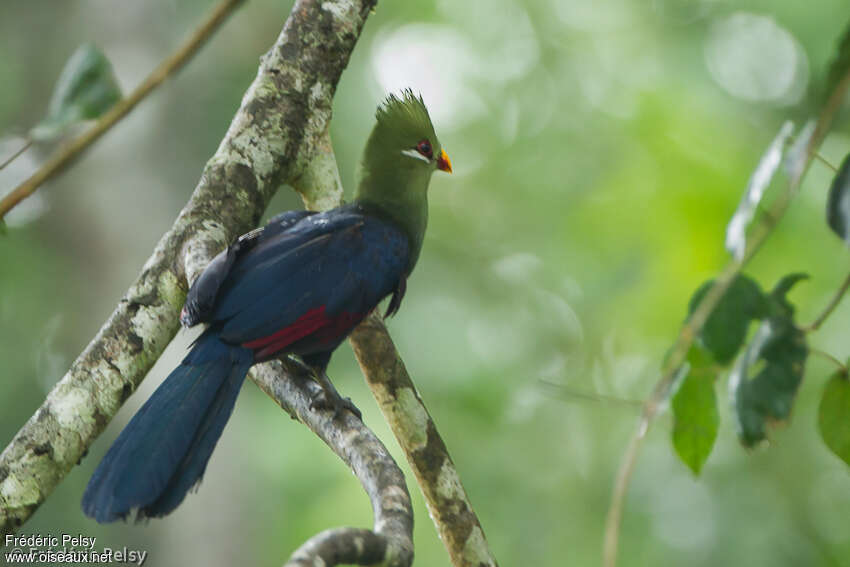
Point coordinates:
[[838, 202], [3, 230], [85, 90], [779, 303], [736, 232], [695, 418], [765, 378], [834, 415], [726, 328]]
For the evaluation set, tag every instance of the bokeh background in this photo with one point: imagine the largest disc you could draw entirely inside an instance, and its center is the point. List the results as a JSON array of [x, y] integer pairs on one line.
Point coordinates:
[[599, 150]]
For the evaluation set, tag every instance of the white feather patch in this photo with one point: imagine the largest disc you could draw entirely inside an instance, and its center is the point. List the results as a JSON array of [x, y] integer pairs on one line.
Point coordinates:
[[415, 154]]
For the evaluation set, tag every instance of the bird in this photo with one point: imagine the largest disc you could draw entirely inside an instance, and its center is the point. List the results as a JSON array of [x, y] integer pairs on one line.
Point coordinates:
[[294, 288]]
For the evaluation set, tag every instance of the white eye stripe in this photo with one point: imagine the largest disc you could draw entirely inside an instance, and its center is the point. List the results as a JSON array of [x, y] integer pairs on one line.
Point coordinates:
[[415, 154]]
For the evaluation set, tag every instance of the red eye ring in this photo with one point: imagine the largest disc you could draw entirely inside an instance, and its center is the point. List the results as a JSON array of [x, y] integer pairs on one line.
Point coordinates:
[[424, 148]]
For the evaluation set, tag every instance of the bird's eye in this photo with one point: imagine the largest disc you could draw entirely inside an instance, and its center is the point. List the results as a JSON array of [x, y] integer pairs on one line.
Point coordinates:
[[424, 148]]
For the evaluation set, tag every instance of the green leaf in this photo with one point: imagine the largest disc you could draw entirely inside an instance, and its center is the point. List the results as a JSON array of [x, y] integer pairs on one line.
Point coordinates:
[[726, 328], [834, 415], [85, 90], [736, 231], [3, 230], [838, 202], [765, 379], [695, 417], [778, 302]]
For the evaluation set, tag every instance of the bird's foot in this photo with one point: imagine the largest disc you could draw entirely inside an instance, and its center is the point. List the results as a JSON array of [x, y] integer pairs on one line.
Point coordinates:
[[297, 369], [329, 398], [335, 402]]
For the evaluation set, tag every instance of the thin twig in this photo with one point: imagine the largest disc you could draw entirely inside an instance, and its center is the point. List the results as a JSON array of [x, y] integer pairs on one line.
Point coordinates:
[[695, 323], [621, 485], [815, 154], [830, 307], [15, 155], [168, 67], [826, 356], [825, 161], [570, 393]]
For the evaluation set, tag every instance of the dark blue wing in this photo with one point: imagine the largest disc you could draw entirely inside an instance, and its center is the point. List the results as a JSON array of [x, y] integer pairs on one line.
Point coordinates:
[[202, 294], [312, 282]]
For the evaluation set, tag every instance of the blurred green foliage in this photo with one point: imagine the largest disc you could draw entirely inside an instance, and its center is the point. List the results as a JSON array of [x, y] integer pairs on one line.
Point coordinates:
[[85, 90], [834, 415], [599, 151]]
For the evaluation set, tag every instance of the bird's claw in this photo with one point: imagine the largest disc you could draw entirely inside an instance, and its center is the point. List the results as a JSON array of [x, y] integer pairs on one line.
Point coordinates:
[[338, 404]]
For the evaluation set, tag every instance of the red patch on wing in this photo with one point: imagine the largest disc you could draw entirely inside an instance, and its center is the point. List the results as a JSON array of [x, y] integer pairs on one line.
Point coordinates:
[[338, 326], [314, 322], [309, 322]]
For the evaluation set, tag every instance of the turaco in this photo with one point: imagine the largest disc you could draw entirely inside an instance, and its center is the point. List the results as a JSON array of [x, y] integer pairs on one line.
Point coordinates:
[[297, 286]]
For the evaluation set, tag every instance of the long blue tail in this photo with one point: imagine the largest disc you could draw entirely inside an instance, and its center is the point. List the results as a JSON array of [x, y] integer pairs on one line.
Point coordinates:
[[163, 451]]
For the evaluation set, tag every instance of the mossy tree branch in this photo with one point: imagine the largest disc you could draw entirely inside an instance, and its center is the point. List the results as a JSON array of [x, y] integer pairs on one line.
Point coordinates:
[[390, 542], [271, 140], [416, 432], [280, 134], [450, 507]]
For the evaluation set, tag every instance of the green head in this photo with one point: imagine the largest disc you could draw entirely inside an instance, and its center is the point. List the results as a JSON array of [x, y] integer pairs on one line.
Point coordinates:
[[401, 154]]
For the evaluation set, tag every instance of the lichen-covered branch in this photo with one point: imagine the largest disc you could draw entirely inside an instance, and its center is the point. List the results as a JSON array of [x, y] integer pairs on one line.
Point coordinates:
[[417, 434], [282, 120], [391, 541], [319, 184], [400, 403]]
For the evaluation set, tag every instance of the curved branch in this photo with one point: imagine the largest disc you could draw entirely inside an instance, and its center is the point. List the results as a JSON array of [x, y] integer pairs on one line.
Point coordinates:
[[67, 153], [272, 137], [450, 508], [391, 542]]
